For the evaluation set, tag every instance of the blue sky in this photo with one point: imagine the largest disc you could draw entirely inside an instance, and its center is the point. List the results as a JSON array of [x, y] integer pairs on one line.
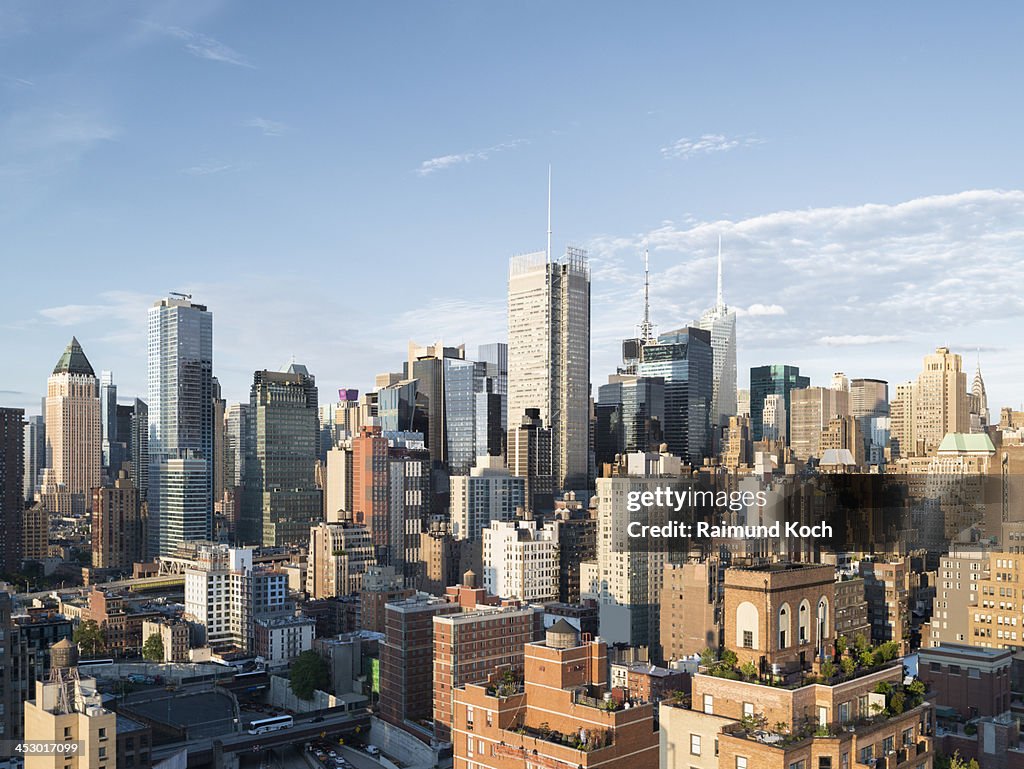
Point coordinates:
[[333, 179]]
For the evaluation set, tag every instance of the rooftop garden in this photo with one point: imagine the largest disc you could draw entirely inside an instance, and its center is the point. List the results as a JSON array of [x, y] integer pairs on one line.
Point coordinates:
[[848, 661], [585, 740]]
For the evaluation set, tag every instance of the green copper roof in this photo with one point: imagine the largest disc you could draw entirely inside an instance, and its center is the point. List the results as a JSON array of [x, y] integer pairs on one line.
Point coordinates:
[[73, 361], [967, 442]]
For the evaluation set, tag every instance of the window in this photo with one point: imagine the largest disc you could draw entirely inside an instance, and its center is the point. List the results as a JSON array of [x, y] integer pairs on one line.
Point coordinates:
[[748, 709], [844, 712], [741, 762], [824, 762], [103, 733], [888, 744], [748, 639], [709, 705], [935, 667], [797, 765], [866, 754], [694, 744], [908, 736]]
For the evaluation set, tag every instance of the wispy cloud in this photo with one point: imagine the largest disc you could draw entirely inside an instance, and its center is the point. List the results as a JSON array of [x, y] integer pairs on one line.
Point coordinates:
[[267, 127], [447, 161], [858, 340], [202, 46], [208, 168], [867, 288], [707, 144], [18, 81]]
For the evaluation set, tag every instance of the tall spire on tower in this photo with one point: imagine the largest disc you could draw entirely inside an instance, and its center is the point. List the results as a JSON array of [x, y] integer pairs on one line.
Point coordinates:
[[646, 327], [720, 301], [549, 213]]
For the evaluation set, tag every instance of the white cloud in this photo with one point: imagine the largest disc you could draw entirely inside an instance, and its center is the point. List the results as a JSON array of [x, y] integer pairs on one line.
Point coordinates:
[[706, 144], [856, 340], [268, 127], [758, 309], [869, 289], [202, 46], [208, 168], [447, 161]]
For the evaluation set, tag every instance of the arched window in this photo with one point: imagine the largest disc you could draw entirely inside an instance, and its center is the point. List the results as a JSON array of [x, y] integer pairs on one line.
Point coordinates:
[[804, 622], [785, 626], [747, 626], [823, 628]]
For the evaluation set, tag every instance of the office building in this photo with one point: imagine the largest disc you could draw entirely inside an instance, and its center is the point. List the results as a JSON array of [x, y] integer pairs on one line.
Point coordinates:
[[549, 355], [630, 416], [774, 419], [683, 359], [869, 399], [181, 409], [281, 499], [35, 454], [73, 425], [339, 556], [776, 378], [529, 458], [626, 581], [489, 493], [935, 404], [721, 322], [138, 445], [810, 410], [117, 530], [520, 560], [12, 487]]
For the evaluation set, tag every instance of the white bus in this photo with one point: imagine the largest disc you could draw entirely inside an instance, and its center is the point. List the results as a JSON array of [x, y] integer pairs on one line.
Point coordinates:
[[265, 725]]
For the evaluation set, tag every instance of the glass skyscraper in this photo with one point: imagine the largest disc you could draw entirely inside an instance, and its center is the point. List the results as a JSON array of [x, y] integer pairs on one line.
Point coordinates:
[[281, 500], [684, 360], [181, 426], [630, 416], [549, 355], [765, 380]]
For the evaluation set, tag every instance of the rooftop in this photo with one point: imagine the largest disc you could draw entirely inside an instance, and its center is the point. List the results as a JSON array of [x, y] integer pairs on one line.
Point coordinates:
[[967, 443], [73, 361]]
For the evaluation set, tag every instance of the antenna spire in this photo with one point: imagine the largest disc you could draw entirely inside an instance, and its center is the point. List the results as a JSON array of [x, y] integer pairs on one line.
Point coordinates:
[[549, 214], [720, 299], [645, 327]]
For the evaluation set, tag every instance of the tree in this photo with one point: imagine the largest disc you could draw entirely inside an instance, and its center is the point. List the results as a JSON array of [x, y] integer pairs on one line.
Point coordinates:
[[749, 670], [89, 637], [308, 673], [848, 665], [153, 649]]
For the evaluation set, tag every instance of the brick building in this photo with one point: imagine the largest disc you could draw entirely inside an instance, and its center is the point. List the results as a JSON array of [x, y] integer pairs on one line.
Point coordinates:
[[557, 717], [973, 681], [691, 608], [780, 616], [406, 657], [471, 645]]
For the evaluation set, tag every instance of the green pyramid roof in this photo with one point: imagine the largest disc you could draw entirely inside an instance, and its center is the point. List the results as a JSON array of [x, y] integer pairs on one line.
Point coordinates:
[[73, 361], [967, 443]]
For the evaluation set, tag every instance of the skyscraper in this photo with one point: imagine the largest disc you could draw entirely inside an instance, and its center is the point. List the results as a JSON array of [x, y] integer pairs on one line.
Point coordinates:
[[630, 412], [35, 454], [73, 425], [281, 500], [12, 497], [941, 403], [108, 420], [180, 423], [139, 447], [721, 322], [684, 360], [776, 378], [549, 354], [116, 525], [869, 399], [810, 412]]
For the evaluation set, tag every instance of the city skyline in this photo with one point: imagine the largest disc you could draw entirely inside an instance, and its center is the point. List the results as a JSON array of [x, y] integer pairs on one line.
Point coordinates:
[[851, 169]]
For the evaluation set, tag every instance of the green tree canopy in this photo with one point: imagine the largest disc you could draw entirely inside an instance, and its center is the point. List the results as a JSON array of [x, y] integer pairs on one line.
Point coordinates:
[[89, 637], [153, 648], [308, 673]]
